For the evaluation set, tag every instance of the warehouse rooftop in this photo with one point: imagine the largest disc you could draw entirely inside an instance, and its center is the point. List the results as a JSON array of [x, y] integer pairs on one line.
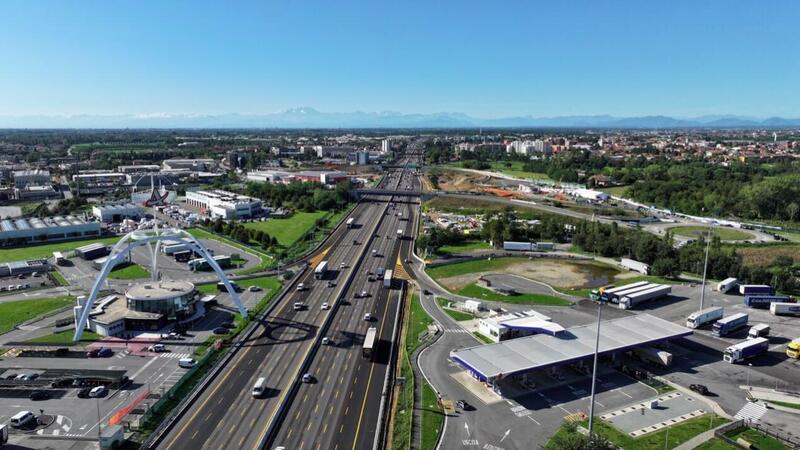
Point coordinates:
[[494, 361]]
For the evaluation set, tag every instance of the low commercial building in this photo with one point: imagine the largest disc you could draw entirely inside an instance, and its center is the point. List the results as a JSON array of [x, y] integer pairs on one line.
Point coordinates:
[[224, 204], [99, 182], [518, 324], [36, 177], [321, 176], [332, 151], [21, 231], [92, 251], [14, 268], [36, 193], [192, 165], [268, 176], [139, 169], [117, 213]]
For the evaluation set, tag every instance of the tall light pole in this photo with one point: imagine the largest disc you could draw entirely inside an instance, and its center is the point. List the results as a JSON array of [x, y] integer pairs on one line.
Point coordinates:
[[705, 269], [594, 369]]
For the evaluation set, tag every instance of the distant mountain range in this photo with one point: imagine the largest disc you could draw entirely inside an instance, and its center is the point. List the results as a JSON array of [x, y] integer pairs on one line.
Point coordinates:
[[311, 118]]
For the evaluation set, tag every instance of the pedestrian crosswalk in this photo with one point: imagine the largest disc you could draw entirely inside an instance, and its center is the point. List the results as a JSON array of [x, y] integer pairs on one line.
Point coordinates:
[[174, 355], [456, 330], [752, 412], [122, 354]]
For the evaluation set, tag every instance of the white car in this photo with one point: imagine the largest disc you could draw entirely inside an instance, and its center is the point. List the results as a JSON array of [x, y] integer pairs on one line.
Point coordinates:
[[301, 287], [342, 265], [254, 289], [307, 378], [186, 363], [98, 391], [158, 348], [325, 305], [326, 341]]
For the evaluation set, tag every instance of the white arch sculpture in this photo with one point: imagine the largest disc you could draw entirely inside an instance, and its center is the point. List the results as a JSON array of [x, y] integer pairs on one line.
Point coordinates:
[[138, 238]]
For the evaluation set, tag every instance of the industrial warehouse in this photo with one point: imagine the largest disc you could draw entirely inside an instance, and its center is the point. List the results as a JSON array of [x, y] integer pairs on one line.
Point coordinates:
[[57, 228]]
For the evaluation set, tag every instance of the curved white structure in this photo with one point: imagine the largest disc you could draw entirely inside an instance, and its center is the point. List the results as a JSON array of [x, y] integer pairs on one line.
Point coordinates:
[[139, 238]]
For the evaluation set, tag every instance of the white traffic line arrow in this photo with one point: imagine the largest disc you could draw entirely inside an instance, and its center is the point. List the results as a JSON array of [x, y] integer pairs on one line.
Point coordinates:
[[505, 435], [466, 427]]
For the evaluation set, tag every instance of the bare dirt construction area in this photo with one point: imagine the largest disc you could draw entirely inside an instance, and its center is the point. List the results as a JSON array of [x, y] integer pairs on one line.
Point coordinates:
[[453, 181], [558, 273]]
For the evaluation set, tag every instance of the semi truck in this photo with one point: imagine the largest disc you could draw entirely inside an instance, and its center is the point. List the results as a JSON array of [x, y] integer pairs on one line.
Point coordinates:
[[387, 279], [753, 289], [759, 330], [747, 349], [729, 324], [174, 248], [605, 294], [793, 349], [709, 315], [321, 270], [615, 297], [784, 309], [636, 266], [653, 355], [636, 298], [764, 301], [517, 246], [350, 222], [727, 284]]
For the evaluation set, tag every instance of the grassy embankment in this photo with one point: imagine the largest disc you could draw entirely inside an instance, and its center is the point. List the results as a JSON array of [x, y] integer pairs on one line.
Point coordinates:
[[725, 234], [14, 313], [43, 251]]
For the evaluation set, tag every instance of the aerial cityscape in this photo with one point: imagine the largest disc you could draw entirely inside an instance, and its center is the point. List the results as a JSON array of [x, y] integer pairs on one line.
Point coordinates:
[[365, 226]]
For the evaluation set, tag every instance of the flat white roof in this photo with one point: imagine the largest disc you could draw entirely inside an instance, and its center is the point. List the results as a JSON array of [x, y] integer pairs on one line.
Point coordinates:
[[540, 351]]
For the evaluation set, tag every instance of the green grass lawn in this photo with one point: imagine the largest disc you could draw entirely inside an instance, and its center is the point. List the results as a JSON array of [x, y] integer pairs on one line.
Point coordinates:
[[785, 404], [759, 440], [59, 278], [16, 312], [716, 444], [65, 338], [41, 251], [472, 266], [265, 283], [515, 170], [475, 291], [417, 323], [482, 338], [724, 233], [432, 416], [129, 272], [678, 434], [266, 260], [462, 247], [456, 315], [288, 230]]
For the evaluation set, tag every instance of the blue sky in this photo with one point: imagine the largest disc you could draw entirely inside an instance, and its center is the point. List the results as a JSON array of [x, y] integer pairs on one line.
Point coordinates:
[[483, 58]]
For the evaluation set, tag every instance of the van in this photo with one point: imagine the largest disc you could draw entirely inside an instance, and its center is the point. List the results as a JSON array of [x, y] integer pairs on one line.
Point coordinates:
[[258, 388], [22, 418], [98, 391], [298, 306], [186, 363]]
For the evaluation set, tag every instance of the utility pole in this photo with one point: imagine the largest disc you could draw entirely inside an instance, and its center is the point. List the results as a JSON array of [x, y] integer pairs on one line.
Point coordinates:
[[594, 370]]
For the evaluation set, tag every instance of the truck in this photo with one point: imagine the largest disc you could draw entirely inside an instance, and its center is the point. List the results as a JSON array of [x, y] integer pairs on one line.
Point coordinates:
[[350, 222], [764, 301], [544, 246], [631, 300], [636, 266], [784, 309], [653, 355], [387, 279], [3, 434], [729, 324], [183, 256], [752, 289], [59, 259], [708, 315], [793, 349], [369, 342], [759, 330], [605, 294], [727, 284], [321, 270], [747, 349], [517, 246], [174, 248]]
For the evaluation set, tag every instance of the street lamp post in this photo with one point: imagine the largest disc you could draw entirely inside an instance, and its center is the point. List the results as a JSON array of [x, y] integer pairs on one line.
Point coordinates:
[[594, 369], [705, 269], [749, 368]]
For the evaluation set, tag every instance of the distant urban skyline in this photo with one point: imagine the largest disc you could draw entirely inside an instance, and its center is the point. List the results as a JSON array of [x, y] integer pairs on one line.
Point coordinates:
[[625, 59]]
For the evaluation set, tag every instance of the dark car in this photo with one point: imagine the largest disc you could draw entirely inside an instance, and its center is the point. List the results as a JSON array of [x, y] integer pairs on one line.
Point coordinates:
[[93, 353], [221, 330], [699, 388], [39, 395], [464, 406], [62, 351], [84, 393], [426, 292], [227, 325], [105, 353]]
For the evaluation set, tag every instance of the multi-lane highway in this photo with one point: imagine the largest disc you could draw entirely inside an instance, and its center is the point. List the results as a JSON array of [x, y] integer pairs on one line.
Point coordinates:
[[340, 409], [226, 415]]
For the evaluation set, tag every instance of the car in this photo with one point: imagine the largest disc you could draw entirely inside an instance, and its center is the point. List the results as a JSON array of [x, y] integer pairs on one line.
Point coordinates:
[[93, 353], [343, 265], [374, 252], [331, 284], [326, 341], [364, 294], [186, 363], [26, 286], [307, 378], [221, 330], [254, 289], [355, 242], [325, 305], [367, 317], [158, 348], [84, 393], [426, 292], [98, 391], [39, 395], [21, 277], [464, 406], [370, 278], [36, 274], [105, 353], [301, 287], [699, 388], [298, 306]]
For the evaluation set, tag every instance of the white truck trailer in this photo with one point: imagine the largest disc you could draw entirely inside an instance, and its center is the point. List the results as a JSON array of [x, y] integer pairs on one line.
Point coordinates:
[[174, 248], [631, 300], [727, 284], [636, 266], [653, 355], [387, 279], [350, 222], [321, 270], [709, 315], [517, 246], [614, 297], [784, 309], [743, 350], [759, 330]]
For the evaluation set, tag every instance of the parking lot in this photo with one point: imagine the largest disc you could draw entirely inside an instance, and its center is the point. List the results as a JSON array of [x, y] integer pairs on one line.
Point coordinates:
[[22, 283]]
